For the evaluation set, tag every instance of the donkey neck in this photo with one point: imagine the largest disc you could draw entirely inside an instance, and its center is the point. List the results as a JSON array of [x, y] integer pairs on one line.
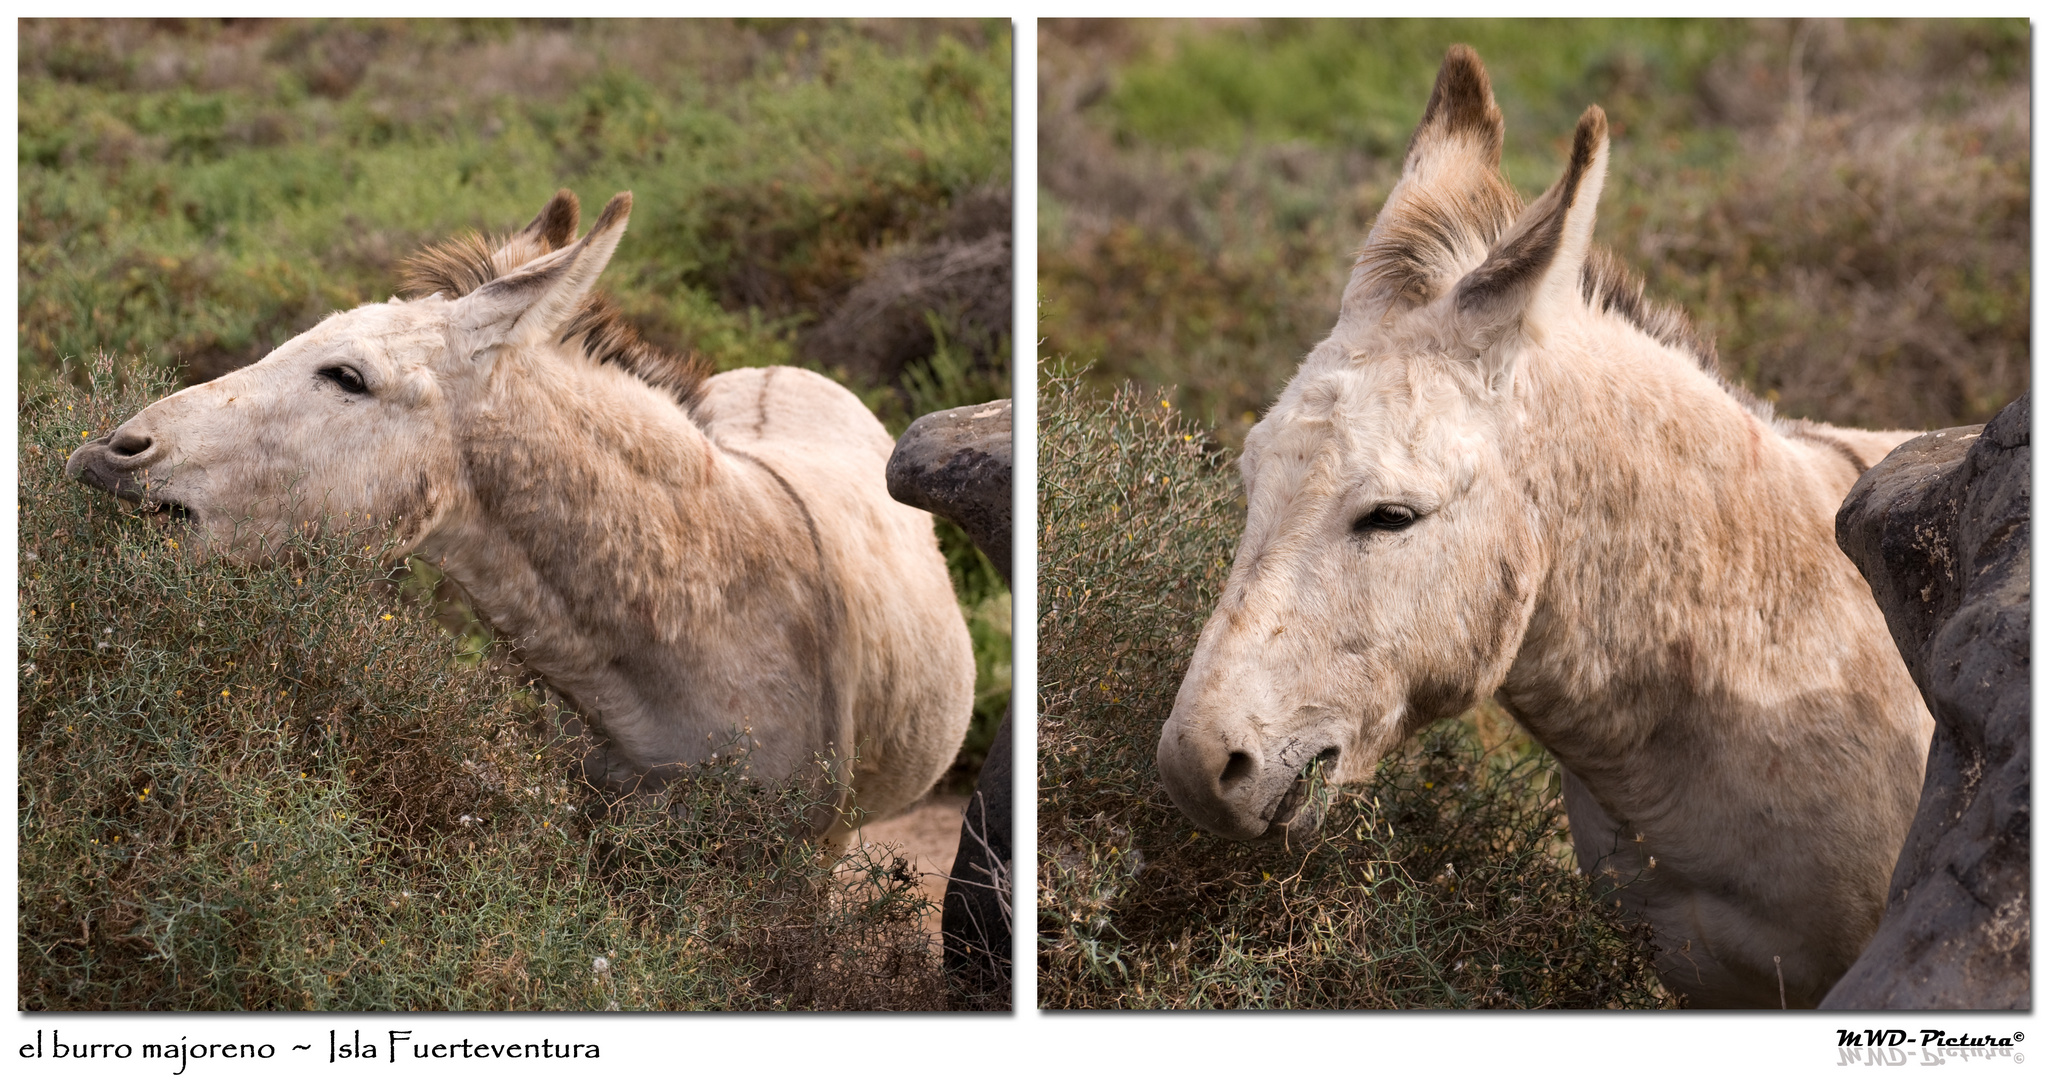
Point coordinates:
[[597, 527], [1693, 582]]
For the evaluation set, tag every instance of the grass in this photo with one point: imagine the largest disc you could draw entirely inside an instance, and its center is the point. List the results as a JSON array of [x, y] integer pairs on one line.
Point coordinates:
[[198, 193], [195, 192], [1842, 205], [1446, 883]]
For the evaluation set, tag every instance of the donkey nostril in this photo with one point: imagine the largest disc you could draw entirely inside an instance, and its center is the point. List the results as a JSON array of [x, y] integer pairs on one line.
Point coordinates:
[[1237, 768], [129, 444]]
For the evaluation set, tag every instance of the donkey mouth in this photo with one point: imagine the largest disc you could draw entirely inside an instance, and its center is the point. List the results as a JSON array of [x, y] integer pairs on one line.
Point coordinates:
[[166, 513], [1300, 808]]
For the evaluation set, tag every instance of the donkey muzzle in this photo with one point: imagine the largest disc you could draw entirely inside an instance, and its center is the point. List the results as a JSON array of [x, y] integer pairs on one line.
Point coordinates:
[[1239, 793], [98, 464]]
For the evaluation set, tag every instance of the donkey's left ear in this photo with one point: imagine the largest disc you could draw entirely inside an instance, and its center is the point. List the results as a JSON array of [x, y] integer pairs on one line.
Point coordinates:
[[1531, 276], [533, 302], [550, 230]]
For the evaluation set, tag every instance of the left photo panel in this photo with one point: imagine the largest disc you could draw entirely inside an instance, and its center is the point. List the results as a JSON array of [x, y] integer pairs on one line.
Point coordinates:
[[514, 515]]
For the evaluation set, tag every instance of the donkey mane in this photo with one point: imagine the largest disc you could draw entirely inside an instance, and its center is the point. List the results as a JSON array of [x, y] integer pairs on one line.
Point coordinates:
[[461, 265], [1611, 288]]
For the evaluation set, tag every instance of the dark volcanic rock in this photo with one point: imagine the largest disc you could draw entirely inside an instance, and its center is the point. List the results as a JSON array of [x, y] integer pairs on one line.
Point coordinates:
[[1940, 529], [957, 464], [954, 284], [975, 924]]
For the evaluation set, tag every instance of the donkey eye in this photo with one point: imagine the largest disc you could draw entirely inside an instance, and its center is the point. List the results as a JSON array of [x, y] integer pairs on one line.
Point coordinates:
[[1389, 517], [347, 378]]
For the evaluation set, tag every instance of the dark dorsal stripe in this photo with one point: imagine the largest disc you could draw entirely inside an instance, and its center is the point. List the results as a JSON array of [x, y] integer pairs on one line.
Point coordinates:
[[829, 611], [1808, 431], [465, 263]]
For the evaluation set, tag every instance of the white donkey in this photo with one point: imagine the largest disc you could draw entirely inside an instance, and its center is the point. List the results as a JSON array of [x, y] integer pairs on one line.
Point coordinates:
[[1504, 473], [698, 563]]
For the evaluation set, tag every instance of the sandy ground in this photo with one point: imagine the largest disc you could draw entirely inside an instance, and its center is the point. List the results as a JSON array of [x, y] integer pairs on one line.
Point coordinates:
[[929, 834]]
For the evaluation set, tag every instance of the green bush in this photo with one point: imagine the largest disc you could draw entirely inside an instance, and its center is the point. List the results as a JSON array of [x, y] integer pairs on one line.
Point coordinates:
[[283, 787], [1445, 883]]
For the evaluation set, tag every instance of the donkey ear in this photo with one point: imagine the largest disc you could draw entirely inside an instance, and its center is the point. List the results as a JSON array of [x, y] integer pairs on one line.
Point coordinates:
[[1450, 204], [534, 301], [550, 230], [1533, 272], [556, 223]]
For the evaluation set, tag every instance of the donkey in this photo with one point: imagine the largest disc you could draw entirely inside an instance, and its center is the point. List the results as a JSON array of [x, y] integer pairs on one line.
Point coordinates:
[[699, 563], [1506, 474]]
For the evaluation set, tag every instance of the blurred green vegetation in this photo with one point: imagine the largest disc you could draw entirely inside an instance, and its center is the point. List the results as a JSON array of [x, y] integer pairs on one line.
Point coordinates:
[[1843, 205], [193, 193], [1359, 85], [1447, 882], [198, 193], [277, 788]]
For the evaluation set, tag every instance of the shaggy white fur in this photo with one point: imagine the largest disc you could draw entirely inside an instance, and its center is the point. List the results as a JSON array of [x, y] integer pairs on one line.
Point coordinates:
[[727, 574], [1491, 481]]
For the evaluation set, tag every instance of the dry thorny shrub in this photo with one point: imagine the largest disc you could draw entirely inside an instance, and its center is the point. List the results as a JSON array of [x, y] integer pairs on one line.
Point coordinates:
[[1445, 883], [280, 787], [1844, 206]]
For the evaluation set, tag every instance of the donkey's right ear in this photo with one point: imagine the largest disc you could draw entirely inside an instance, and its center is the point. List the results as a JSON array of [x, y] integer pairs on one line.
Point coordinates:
[[534, 301], [1532, 274]]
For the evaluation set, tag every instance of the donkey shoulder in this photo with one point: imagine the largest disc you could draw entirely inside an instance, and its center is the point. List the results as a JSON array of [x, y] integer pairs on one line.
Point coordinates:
[[791, 407]]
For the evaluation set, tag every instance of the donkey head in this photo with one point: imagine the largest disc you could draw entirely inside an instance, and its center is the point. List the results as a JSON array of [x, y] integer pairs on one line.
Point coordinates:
[[353, 424], [1390, 558]]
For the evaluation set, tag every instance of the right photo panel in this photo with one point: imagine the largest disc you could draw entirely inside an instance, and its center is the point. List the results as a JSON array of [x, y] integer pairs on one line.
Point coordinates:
[[1533, 514]]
